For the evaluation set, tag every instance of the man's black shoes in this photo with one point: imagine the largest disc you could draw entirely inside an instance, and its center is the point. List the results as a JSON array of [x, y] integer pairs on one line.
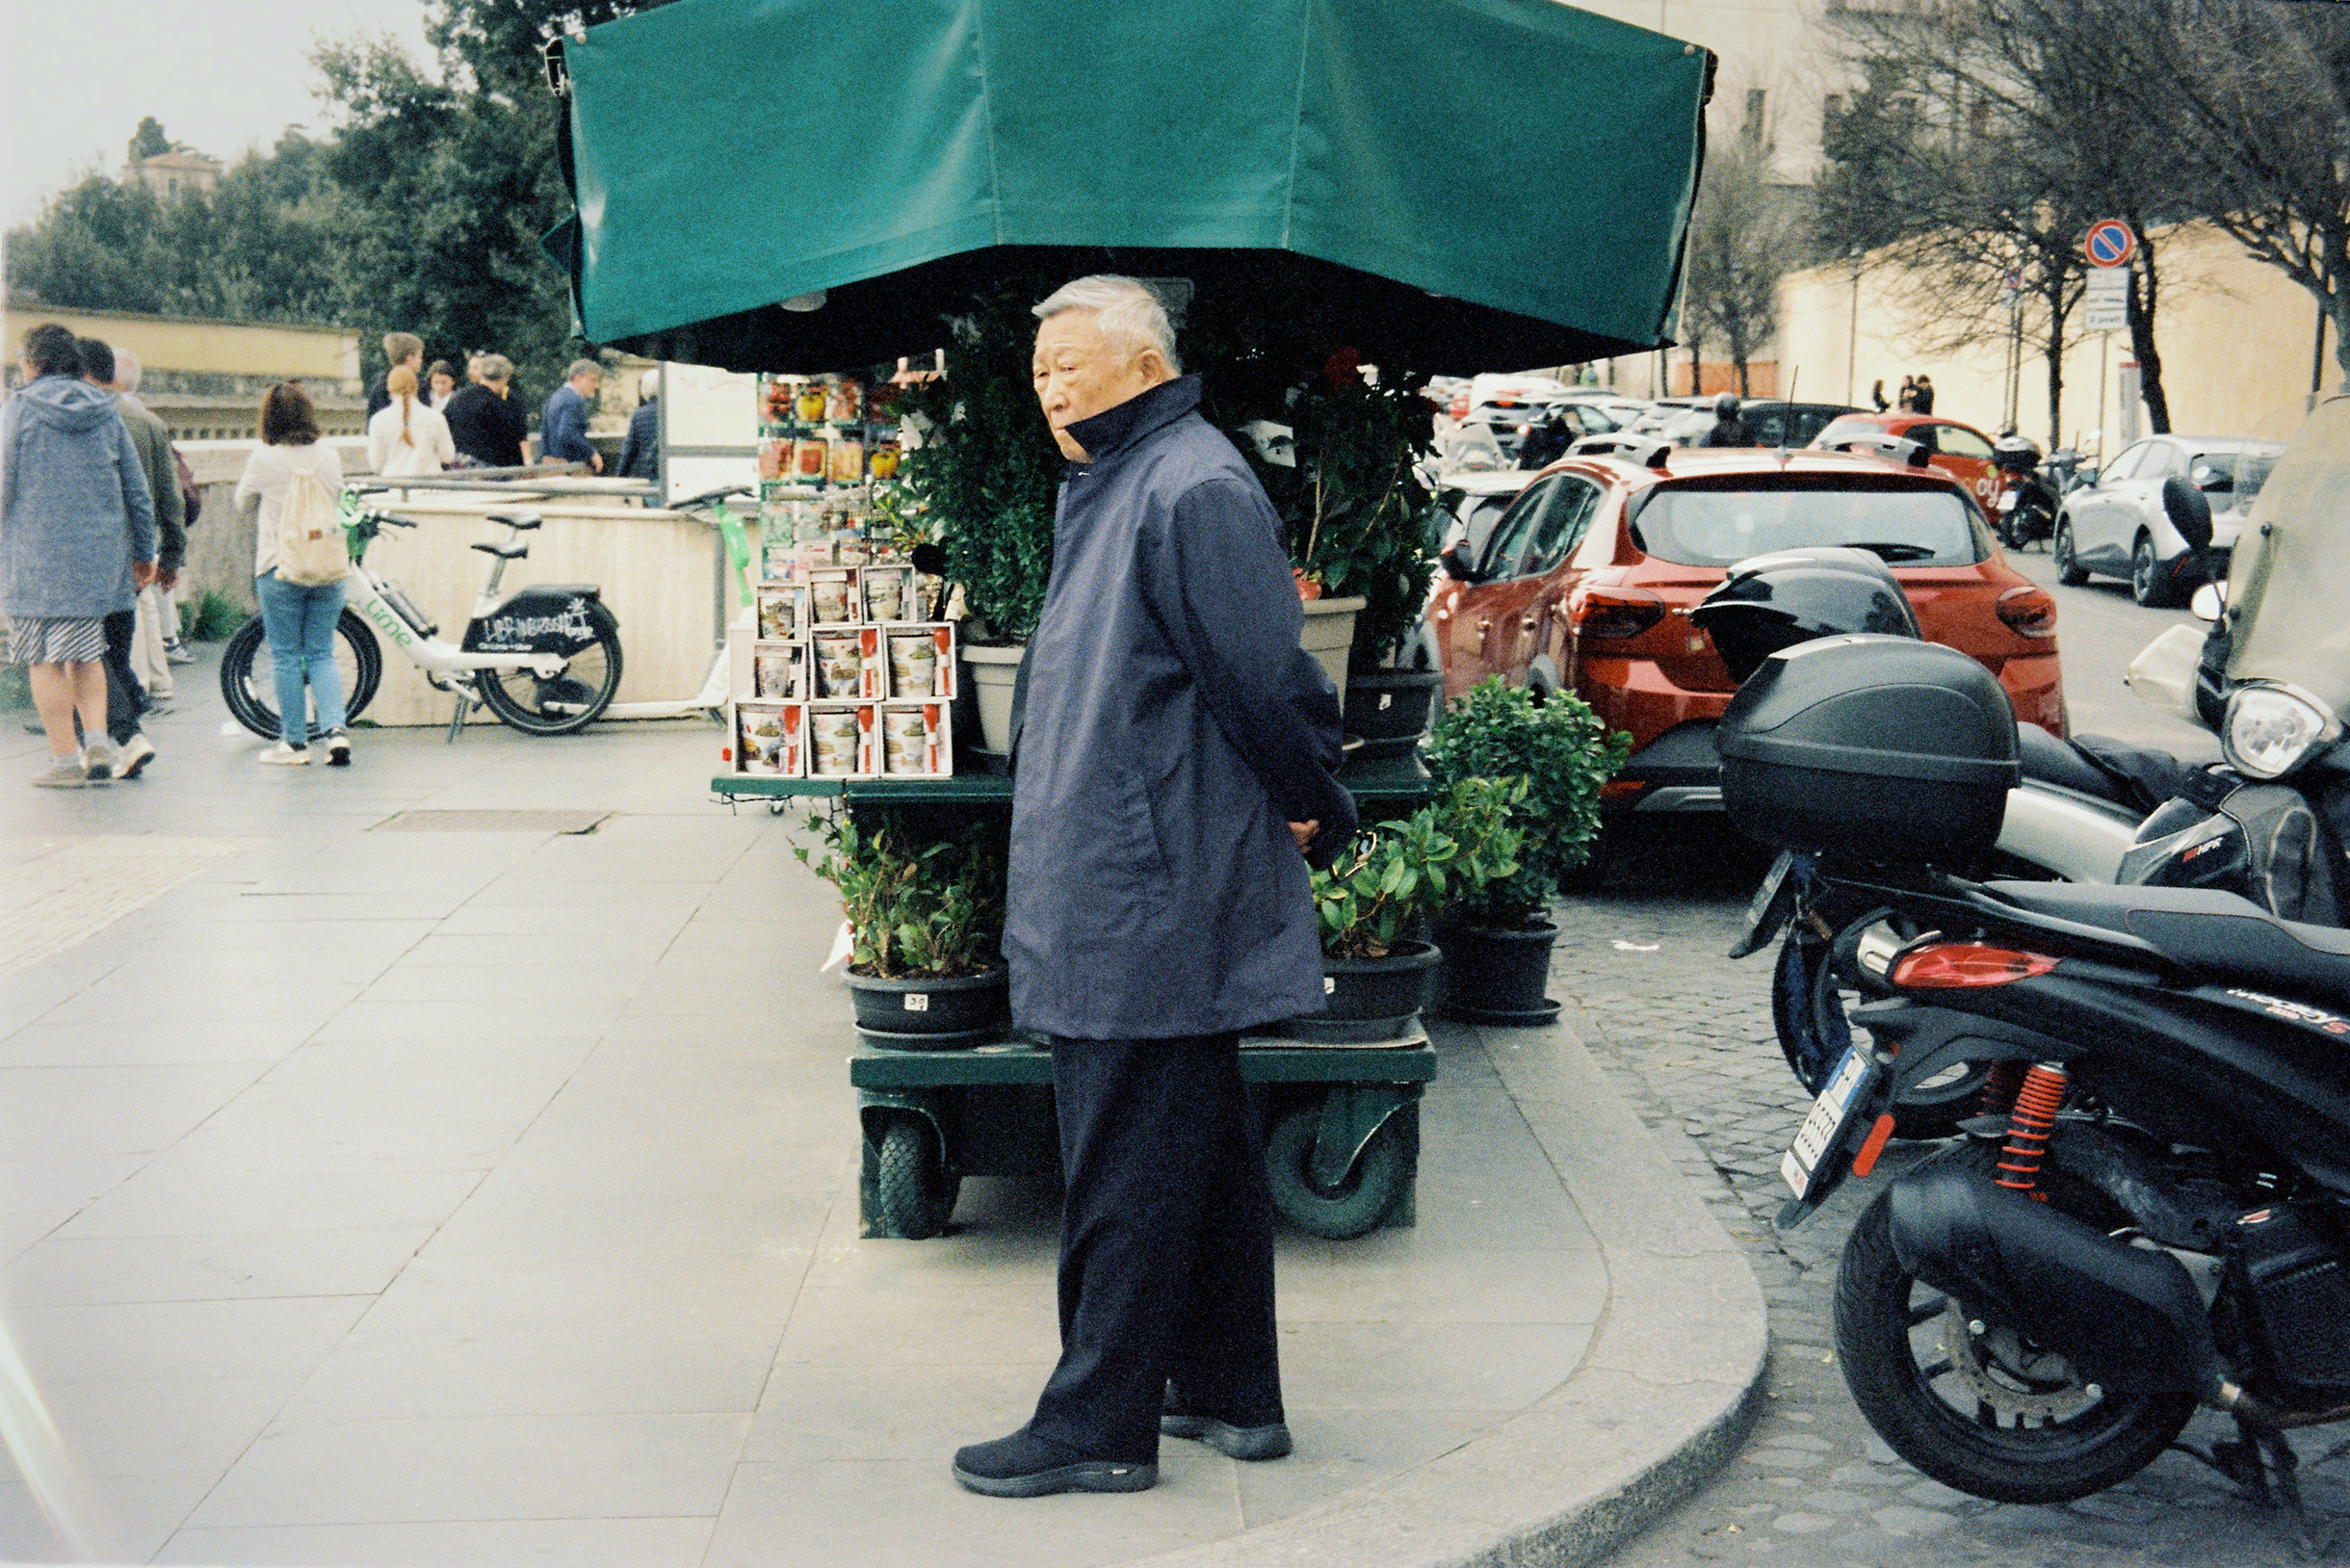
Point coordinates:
[[1025, 1465], [1267, 1442]]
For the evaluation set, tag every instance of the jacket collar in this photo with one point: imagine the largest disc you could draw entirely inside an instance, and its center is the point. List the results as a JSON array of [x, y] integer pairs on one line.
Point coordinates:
[[1114, 430]]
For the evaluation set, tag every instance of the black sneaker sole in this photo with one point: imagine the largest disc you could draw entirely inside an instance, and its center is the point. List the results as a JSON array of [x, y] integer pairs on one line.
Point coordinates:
[[1092, 1476], [338, 756], [1232, 1441], [134, 769]]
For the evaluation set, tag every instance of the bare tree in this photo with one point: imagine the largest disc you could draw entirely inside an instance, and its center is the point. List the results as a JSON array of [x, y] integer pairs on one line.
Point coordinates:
[[2254, 100], [1744, 237], [1990, 135]]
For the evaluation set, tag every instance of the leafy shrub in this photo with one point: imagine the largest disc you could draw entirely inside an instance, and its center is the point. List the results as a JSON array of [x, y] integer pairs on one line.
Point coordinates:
[[213, 617], [917, 906], [1565, 755], [1401, 873]]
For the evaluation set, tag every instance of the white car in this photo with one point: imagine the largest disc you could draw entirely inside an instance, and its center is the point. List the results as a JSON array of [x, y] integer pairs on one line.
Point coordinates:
[[2117, 527]]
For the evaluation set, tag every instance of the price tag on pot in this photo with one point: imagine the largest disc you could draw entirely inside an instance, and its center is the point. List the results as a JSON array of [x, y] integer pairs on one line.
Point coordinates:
[[1329, 985], [917, 1002]]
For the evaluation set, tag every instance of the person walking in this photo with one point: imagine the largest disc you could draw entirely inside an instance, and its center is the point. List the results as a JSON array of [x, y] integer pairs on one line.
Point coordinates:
[[398, 349], [1174, 767], [77, 543], [408, 437], [562, 424], [640, 452], [487, 427], [139, 676], [300, 621]]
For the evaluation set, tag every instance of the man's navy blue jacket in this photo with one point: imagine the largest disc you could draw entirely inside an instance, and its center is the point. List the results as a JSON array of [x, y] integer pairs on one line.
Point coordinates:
[[1171, 730]]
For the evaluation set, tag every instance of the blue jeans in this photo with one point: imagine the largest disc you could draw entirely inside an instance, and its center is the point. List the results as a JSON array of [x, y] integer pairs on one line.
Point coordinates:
[[301, 624]]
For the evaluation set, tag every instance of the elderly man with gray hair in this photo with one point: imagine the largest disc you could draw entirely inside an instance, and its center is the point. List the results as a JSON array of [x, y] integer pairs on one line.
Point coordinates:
[[485, 424], [563, 427], [1174, 767]]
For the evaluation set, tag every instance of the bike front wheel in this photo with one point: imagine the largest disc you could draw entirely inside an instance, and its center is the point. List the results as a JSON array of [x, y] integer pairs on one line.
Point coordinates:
[[249, 673], [568, 701]]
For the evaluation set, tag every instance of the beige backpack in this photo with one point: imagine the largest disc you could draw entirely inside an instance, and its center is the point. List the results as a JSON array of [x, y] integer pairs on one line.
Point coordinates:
[[311, 549]]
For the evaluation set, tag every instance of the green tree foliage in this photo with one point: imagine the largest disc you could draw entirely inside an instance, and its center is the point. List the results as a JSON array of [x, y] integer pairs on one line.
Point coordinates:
[[421, 210], [148, 140]]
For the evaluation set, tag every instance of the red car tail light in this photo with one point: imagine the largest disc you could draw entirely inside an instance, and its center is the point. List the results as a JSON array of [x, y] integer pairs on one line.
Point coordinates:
[[2028, 611], [1617, 614], [1960, 966]]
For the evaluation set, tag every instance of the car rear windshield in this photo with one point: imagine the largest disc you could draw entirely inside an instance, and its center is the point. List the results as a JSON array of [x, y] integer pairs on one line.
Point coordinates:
[[1714, 524]]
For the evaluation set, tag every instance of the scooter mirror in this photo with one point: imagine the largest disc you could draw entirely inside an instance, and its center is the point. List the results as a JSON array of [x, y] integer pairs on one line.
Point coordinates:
[[2209, 600], [2189, 510]]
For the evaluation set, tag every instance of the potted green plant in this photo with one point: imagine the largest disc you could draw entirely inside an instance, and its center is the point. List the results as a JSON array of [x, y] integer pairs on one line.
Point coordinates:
[[926, 924], [983, 480], [1496, 937], [1339, 467], [1374, 902]]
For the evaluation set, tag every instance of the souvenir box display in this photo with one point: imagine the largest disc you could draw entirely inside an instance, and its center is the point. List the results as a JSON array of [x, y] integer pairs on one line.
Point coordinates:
[[779, 671], [770, 737]]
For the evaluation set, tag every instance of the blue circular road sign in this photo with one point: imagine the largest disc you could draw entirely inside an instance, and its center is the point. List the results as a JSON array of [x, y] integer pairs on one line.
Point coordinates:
[[2110, 243]]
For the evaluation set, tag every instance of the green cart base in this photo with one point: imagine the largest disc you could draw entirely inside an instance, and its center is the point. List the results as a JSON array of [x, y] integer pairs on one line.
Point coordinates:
[[1342, 1128]]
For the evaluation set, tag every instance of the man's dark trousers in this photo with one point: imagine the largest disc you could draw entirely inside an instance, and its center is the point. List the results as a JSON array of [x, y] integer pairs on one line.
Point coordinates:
[[1166, 1245], [126, 698]]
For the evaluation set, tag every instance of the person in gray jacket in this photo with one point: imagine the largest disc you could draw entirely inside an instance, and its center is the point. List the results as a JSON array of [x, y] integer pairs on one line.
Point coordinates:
[[77, 542], [1174, 762]]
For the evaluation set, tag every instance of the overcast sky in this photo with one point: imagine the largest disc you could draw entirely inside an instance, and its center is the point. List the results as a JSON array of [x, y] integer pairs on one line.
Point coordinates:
[[222, 75]]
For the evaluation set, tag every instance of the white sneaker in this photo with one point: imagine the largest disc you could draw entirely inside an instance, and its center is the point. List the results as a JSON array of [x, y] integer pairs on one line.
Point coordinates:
[[136, 753], [288, 756]]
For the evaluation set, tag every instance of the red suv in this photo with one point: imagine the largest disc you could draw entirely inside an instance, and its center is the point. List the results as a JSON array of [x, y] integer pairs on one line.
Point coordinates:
[[1587, 583]]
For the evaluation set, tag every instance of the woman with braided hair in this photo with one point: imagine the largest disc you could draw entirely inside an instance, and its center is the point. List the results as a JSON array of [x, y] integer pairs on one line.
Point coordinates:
[[407, 435]]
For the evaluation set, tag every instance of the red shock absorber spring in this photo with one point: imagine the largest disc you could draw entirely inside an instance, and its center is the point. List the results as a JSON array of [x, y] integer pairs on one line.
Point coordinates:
[[2029, 1125], [2000, 1082]]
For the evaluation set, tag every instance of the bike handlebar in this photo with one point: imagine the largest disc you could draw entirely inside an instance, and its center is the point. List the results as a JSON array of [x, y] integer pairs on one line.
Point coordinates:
[[709, 496]]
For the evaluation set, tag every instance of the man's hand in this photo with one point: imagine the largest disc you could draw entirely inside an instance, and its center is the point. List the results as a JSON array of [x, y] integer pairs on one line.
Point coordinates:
[[1303, 832], [168, 580], [143, 572], [595, 462]]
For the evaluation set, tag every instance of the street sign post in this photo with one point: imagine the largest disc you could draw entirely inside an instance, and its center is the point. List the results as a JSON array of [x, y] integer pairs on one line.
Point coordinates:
[[2104, 299]]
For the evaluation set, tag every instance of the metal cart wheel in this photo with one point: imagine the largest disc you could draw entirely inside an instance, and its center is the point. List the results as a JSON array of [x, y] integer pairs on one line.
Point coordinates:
[[913, 1186], [1354, 1205]]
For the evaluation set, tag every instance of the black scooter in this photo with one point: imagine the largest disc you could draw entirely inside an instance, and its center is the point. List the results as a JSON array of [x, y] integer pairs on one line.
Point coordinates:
[[2024, 510], [2152, 1210]]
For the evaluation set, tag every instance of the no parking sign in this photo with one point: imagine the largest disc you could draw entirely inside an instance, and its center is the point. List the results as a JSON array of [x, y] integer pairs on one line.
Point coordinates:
[[2110, 243]]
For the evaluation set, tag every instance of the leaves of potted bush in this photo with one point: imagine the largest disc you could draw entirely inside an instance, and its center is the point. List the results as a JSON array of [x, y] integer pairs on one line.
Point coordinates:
[[926, 923], [1497, 938], [1374, 902]]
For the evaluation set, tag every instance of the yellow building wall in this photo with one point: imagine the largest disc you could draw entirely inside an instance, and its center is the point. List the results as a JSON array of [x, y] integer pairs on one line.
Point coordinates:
[[2235, 335], [264, 349]]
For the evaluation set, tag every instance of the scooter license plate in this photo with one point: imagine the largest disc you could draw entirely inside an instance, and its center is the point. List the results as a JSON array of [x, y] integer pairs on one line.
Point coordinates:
[[1823, 1142]]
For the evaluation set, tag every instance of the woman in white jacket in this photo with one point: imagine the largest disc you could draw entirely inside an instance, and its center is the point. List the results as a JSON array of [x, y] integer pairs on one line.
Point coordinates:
[[407, 435], [299, 620]]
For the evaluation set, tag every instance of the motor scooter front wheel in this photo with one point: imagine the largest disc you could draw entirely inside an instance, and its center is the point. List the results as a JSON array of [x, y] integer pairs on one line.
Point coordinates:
[[1972, 1401]]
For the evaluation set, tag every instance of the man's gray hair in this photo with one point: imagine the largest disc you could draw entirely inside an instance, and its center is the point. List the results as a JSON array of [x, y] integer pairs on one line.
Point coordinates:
[[496, 367], [582, 367], [127, 370], [1132, 316]]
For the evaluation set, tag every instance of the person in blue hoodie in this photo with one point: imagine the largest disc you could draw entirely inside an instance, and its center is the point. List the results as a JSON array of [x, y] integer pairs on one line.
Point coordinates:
[[77, 543]]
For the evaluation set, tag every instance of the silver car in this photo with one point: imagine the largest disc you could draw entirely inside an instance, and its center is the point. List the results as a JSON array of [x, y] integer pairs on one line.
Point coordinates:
[[2117, 527]]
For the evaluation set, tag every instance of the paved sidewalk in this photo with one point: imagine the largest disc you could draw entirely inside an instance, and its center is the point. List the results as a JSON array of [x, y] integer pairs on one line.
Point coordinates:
[[379, 1196]]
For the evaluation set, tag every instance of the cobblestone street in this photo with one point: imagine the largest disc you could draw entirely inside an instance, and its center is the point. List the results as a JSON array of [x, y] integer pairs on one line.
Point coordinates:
[[1686, 1034]]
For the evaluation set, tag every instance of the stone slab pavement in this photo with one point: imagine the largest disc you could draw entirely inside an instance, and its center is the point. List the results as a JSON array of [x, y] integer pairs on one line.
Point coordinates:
[[379, 1196]]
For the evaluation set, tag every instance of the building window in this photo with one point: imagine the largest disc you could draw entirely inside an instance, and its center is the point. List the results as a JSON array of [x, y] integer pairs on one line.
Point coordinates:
[[1752, 130]]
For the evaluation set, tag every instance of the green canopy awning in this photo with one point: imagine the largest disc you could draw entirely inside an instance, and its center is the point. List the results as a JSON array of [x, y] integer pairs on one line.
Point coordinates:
[[1472, 183]]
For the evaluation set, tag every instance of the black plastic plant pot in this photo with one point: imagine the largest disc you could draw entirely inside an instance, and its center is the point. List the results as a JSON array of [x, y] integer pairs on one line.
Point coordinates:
[[1390, 708], [1498, 976], [931, 1014], [1371, 999]]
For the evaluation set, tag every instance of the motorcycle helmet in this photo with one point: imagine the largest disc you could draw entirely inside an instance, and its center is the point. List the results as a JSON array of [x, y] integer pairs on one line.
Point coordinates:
[[1726, 406], [1775, 601], [2015, 451]]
